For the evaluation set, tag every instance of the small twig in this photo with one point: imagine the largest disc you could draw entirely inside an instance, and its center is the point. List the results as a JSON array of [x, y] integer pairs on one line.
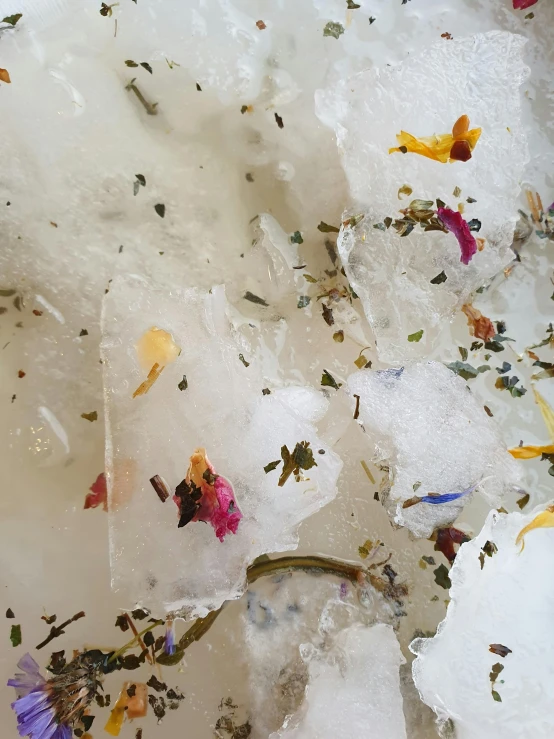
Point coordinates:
[[56, 631], [151, 108], [138, 638], [131, 643]]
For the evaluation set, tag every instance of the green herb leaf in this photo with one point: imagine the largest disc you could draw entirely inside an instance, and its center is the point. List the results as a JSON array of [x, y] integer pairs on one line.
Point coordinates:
[[442, 577], [350, 5], [404, 190], [463, 352], [303, 301], [90, 416], [464, 370], [15, 635], [416, 337], [327, 229], [328, 380], [146, 66], [255, 299], [441, 277], [522, 502], [327, 315], [271, 466], [333, 29], [12, 19], [457, 192], [183, 385], [301, 458], [243, 360], [296, 238], [338, 336], [160, 209], [380, 226], [130, 63], [309, 278], [496, 696]]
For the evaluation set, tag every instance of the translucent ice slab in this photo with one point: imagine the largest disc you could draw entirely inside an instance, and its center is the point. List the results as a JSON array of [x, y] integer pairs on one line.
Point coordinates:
[[479, 77], [504, 599], [436, 438], [223, 409], [353, 690]]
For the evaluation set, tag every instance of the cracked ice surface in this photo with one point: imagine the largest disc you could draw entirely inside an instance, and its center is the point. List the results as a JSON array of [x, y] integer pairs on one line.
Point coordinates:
[[353, 690], [510, 602], [477, 76], [153, 562], [431, 430]]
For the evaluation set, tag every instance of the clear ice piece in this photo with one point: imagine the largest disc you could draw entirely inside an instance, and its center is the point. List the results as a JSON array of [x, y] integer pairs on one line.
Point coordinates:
[[507, 601], [353, 689], [479, 77], [436, 438], [223, 409]]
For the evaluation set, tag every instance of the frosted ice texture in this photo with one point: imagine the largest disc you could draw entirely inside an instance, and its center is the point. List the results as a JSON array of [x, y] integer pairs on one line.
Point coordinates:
[[153, 562], [353, 690], [282, 614], [478, 76], [510, 602], [431, 430]]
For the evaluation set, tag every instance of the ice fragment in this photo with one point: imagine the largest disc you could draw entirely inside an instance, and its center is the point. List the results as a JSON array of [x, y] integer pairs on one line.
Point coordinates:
[[478, 77], [431, 430]]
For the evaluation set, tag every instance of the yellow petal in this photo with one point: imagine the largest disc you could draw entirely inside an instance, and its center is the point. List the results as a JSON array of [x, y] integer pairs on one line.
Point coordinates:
[[438, 146], [133, 706], [547, 413], [530, 451], [145, 386], [461, 126], [156, 346], [413, 145], [472, 137], [544, 520]]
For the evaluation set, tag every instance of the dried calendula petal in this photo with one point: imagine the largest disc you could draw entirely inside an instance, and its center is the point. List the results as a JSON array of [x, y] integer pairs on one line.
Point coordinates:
[[544, 520], [156, 346], [4, 75], [441, 147], [546, 411], [530, 451], [132, 703], [145, 386]]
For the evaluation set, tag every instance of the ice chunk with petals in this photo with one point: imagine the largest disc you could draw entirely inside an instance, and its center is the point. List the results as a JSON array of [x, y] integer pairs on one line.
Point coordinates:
[[477, 80], [498, 603], [221, 409], [438, 441], [353, 689]]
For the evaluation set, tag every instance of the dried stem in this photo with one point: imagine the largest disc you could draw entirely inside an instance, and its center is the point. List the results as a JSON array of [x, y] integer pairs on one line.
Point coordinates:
[[56, 631], [313, 565]]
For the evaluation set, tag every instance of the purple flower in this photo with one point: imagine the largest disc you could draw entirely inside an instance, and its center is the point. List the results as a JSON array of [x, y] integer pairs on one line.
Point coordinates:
[[170, 636], [437, 498], [454, 222], [47, 709]]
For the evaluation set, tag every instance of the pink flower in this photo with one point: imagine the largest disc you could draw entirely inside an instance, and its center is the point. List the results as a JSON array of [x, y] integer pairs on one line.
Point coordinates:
[[99, 493], [523, 4], [205, 496], [454, 222]]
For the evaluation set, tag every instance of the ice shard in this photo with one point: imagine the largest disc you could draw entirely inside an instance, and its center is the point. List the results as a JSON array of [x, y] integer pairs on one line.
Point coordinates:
[[353, 689], [438, 441], [210, 397], [408, 278], [489, 667]]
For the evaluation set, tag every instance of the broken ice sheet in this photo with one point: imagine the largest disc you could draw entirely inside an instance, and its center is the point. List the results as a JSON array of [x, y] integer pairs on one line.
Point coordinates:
[[509, 602], [436, 438], [154, 563], [353, 689], [479, 77], [281, 614]]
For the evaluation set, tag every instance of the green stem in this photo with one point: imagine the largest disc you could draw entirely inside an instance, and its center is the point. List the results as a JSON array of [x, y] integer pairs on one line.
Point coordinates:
[[313, 565], [131, 643]]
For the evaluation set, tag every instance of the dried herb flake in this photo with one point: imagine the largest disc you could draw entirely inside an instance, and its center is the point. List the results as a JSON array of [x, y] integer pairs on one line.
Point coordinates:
[[333, 29], [327, 380], [440, 278], [416, 336], [15, 635]]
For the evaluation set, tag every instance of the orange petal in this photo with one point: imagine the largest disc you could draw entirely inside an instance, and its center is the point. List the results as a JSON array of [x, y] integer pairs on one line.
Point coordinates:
[[4, 75], [132, 707], [544, 520], [461, 126], [530, 451]]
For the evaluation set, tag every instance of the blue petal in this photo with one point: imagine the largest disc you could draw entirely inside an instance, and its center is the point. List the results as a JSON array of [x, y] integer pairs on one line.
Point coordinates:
[[63, 731], [31, 703]]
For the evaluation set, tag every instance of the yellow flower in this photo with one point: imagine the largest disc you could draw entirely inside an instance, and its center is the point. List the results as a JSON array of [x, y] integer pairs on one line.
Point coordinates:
[[544, 520], [530, 451], [443, 147]]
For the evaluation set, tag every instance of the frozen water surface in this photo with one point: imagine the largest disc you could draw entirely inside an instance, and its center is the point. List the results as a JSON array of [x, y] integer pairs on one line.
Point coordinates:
[[425, 95], [503, 599], [436, 437], [223, 410]]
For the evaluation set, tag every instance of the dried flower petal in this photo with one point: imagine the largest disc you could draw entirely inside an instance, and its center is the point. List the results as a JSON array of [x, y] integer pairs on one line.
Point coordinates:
[[454, 222], [206, 496], [523, 4], [530, 451], [482, 326], [441, 147], [98, 493], [543, 520]]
